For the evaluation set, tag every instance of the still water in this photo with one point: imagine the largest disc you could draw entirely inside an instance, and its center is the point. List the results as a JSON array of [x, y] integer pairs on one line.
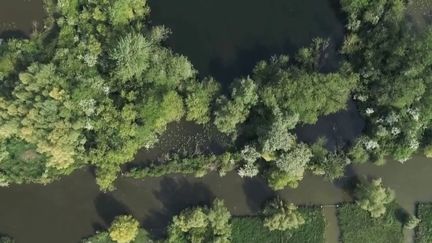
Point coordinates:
[[225, 39]]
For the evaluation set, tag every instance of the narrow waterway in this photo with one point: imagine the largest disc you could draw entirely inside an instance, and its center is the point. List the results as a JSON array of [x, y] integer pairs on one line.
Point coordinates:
[[225, 39]]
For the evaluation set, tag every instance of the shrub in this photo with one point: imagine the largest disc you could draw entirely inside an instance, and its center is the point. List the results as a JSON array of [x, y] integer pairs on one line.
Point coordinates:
[[282, 216], [373, 197], [124, 229]]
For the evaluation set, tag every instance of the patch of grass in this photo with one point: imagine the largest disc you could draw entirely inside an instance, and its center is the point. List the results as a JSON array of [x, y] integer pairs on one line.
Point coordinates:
[[252, 230], [357, 226], [424, 230]]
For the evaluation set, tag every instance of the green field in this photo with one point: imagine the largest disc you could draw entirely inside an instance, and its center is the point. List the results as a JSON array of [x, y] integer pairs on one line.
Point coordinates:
[[357, 226], [424, 230], [251, 230]]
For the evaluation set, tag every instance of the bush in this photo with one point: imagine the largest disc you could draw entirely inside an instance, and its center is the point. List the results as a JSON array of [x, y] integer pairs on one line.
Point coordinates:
[[428, 151], [198, 165], [373, 197], [201, 224], [282, 216], [411, 222], [124, 229]]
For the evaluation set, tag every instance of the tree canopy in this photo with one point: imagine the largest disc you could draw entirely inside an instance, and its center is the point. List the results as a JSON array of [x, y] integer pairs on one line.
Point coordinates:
[[94, 87], [201, 224], [394, 63], [373, 197]]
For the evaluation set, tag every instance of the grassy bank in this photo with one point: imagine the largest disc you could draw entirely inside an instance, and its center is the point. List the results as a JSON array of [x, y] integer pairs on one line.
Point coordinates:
[[357, 226], [251, 230], [424, 230]]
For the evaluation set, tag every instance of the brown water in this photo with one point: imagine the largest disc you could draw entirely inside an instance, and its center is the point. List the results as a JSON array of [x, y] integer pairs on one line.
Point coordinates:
[[223, 38], [18, 18]]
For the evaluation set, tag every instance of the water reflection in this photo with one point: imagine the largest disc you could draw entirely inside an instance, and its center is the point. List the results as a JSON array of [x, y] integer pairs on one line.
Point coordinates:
[[257, 192], [226, 38], [174, 195], [108, 207]]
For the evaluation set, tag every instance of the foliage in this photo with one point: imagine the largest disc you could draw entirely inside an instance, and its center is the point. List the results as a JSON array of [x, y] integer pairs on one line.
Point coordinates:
[[394, 64], [250, 155], [234, 111], [428, 151], [357, 226], [411, 222], [252, 230], [201, 224], [373, 197], [199, 100], [94, 88], [198, 165], [277, 137], [329, 164], [424, 230], [288, 169], [20, 163], [358, 153], [103, 237], [124, 229], [282, 216], [303, 90]]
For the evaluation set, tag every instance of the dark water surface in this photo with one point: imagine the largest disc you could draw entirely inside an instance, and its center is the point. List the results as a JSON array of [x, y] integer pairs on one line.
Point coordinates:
[[222, 38], [18, 18], [226, 38]]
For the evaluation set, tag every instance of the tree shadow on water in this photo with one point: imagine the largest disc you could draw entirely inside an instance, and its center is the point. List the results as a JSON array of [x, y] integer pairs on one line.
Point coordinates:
[[257, 192], [13, 34], [175, 195], [108, 208], [349, 182]]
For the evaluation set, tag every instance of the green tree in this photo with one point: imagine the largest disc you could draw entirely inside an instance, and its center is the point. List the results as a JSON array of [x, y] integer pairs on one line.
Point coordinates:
[[329, 164], [282, 216], [277, 137], [199, 100], [201, 224], [411, 222], [303, 91], [395, 65], [124, 229], [373, 197], [236, 110], [288, 169], [124, 11]]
